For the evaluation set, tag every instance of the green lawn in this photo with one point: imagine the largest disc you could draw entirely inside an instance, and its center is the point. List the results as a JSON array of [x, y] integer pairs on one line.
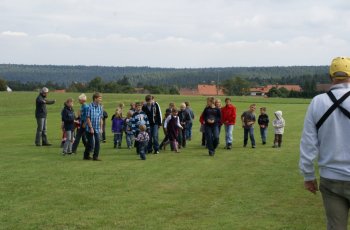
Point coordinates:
[[240, 189]]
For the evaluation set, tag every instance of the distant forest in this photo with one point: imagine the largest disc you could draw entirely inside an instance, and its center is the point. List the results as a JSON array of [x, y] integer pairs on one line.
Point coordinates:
[[141, 76]]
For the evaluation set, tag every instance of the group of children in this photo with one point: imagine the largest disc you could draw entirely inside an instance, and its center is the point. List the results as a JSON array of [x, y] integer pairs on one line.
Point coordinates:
[[215, 116], [248, 121], [177, 126]]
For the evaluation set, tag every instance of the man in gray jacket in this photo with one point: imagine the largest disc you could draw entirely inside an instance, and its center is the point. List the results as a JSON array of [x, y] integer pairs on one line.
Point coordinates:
[[325, 139], [41, 114]]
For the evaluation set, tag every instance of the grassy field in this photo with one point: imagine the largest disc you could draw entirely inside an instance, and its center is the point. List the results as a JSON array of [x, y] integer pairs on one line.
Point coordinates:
[[243, 188]]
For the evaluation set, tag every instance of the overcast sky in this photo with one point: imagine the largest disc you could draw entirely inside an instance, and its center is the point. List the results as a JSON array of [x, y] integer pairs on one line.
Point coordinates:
[[174, 33]]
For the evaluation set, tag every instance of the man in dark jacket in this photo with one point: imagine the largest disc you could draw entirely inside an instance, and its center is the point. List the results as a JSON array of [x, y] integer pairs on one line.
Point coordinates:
[[154, 114], [40, 115]]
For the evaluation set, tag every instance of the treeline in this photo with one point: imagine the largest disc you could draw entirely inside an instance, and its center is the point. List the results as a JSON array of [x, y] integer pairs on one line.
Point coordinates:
[[140, 76], [240, 86], [95, 85]]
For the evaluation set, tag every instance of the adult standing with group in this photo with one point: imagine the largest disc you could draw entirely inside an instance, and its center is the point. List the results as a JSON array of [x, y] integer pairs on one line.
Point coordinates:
[[325, 139], [94, 123], [41, 117], [152, 109]]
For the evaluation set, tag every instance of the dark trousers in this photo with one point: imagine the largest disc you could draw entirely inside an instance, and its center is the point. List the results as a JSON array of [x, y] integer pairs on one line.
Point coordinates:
[[278, 140], [93, 143], [249, 131], [79, 135], [141, 148], [182, 137], [104, 130], [203, 139], [336, 201], [118, 137], [212, 137]]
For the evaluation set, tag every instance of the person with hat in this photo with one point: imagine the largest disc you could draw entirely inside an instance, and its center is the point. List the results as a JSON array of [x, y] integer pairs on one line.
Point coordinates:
[[40, 115], [325, 139]]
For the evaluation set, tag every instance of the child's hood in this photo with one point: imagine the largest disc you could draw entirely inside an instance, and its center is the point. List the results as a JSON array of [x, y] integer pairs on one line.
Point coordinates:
[[278, 114]]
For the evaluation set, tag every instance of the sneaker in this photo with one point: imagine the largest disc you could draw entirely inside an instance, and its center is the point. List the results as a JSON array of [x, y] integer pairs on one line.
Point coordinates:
[[89, 158], [47, 144], [229, 147], [96, 159], [253, 146], [264, 143], [156, 152]]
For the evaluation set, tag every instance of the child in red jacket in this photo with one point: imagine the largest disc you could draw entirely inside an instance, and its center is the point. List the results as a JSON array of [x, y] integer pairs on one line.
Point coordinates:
[[228, 114]]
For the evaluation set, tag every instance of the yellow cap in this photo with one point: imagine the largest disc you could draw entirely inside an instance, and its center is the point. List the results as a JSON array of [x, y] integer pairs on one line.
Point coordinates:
[[340, 68]]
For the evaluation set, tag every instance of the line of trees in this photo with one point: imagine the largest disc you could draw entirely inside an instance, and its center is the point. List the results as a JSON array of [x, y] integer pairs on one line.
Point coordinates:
[[97, 84]]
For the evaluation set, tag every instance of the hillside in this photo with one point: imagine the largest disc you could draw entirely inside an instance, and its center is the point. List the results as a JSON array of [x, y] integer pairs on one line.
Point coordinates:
[[151, 76]]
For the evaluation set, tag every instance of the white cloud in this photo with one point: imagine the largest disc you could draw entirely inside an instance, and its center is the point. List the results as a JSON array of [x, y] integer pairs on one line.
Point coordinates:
[[174, 33], [16, 34]]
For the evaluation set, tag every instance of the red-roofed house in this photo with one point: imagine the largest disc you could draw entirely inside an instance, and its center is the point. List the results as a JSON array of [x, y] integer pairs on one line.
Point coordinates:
[[210, 90], [204, 90], [188, 91], [262, 91]]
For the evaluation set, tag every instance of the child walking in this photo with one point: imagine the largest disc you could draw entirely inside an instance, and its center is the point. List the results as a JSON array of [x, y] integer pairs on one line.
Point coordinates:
[[172, 125], [185, 118], [278, 123], [138, 118], [248, 121], [129, 135], [212, 119], [166, 137], [117, 129], [142, 142], [68, 119], [263, 122]]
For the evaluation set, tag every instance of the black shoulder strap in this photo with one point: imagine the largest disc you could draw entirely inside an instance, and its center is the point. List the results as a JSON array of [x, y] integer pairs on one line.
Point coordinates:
[[334, 107]]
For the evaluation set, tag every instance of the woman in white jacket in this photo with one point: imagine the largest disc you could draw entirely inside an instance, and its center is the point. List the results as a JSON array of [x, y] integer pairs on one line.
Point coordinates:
[[278, 124]]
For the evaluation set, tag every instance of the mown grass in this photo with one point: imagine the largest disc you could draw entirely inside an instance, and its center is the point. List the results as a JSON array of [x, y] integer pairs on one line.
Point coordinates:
[[240, 189]]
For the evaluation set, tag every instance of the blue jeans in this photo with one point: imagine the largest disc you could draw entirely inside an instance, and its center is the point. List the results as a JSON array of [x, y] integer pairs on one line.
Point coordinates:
[[93, 143], [141, 149], [212, 137], [263, 133], [189, 130], [129, 139], [249, 131], [228, 134], [153, 140], [118, 139]]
